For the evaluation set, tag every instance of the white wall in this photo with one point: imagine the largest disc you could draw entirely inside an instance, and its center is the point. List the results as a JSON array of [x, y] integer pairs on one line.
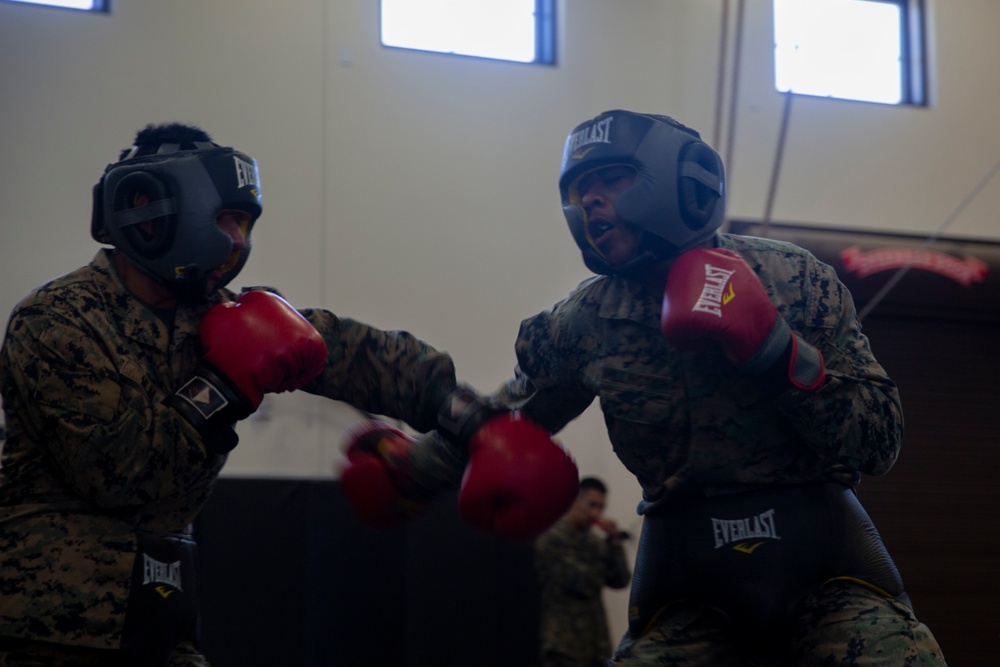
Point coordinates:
[[418, 191]]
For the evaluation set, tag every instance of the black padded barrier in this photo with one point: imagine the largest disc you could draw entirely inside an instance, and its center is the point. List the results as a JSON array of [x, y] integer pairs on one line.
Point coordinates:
[[291, 578]]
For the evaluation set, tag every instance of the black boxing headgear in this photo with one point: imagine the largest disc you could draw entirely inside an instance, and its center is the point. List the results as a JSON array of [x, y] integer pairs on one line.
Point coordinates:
[[184, 186], [677, 200]]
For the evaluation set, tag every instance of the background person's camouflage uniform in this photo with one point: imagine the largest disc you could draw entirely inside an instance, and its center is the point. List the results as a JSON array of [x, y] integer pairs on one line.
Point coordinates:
[[691, 423], [94, 454], [574, 565]]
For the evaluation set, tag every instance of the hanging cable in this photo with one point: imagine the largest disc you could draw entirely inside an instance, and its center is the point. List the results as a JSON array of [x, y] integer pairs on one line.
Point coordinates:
[[733, 95], [778, 157], [720, 80], [896, 277]]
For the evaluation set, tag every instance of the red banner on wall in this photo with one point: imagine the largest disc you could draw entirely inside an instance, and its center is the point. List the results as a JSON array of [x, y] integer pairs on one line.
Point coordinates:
[[904, 275]]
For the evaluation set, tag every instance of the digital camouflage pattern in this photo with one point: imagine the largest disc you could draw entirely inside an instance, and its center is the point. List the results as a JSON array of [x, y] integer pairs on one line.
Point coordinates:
[[686, 422], [393, 374], [843, 624], [389, 373], [93, 453], [574, 565], [690, 424]]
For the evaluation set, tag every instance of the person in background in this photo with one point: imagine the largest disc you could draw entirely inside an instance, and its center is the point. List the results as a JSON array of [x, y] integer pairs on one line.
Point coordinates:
[[122, 382], [574, 564], [738, 388]]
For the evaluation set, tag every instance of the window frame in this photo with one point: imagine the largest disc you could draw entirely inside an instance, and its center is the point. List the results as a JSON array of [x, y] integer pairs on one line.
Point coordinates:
[[913, 51], [912, 56], [99, 6], [545, 38]]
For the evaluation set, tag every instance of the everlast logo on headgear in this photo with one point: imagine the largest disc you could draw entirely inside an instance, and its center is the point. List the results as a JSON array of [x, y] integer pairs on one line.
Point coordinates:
[[598, 133], [245, 173], [714, 294]]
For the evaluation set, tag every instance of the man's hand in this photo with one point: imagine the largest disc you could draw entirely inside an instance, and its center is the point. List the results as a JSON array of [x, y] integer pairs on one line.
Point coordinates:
[[713, 295], [519, 481], [253, 346], [375, 477]]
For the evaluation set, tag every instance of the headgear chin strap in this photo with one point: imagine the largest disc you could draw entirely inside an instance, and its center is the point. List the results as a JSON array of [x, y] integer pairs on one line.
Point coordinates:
[[180, 192], [677, 200]]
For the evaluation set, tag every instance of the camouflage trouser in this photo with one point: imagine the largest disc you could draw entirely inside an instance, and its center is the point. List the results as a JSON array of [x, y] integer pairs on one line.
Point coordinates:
[[844, 624], [24, 653]]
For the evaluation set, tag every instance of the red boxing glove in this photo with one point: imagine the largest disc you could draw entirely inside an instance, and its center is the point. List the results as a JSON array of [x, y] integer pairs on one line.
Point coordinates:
[[518, 481], [257, 345], [712, 294], [374, 477], [262, 345]]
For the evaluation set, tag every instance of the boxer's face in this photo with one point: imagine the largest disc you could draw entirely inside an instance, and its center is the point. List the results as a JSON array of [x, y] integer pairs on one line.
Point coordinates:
[[616, 241], [236, 225]]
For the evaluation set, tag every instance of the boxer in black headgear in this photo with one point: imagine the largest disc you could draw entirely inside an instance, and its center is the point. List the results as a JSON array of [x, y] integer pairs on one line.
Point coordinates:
[[737, 387], [676, 202], [183, 180], [123, 381]]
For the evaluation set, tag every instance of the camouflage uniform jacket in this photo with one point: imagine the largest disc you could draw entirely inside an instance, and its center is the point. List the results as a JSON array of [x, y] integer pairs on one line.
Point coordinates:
[[93, 453], [686, 422], [574, 565]]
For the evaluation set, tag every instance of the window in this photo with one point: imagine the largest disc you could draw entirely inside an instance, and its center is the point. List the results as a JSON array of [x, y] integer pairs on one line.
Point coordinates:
[[869, 50], [88, 5], [516, 30]]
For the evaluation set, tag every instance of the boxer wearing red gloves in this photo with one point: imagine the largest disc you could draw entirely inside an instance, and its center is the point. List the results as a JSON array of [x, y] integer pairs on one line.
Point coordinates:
[[737, 387]]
